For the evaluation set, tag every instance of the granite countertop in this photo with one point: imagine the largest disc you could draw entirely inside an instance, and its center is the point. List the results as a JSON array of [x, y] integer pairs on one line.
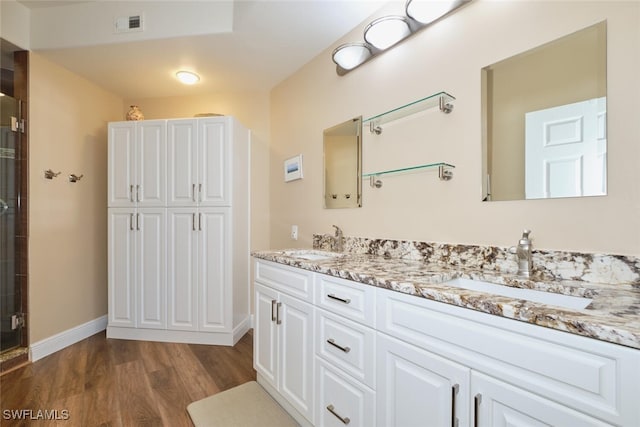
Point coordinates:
[[613, 315]]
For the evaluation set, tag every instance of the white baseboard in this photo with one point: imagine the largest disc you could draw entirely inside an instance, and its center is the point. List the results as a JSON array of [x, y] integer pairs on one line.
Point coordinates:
[[64, 339]]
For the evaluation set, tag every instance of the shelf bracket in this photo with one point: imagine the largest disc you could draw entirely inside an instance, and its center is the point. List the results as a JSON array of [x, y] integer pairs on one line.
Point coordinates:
[[374, 182], [444, 173], [445, 107], [375, 128]]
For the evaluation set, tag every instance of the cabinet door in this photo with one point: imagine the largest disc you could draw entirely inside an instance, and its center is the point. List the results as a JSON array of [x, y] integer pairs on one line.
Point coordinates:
[[214, 272], [500, 404], [265, 349], [151, 267], [122, 275], [183, 188], [214, 163], [295, 351], [182, 248], [414, 386], [121, 159], [151, 165]]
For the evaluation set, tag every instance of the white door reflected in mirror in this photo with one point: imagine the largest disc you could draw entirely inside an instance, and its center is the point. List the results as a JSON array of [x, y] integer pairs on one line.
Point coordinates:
[[566, 150]]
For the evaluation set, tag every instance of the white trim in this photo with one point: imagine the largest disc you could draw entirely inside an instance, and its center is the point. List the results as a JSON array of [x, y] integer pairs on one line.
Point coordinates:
[[66, 338]]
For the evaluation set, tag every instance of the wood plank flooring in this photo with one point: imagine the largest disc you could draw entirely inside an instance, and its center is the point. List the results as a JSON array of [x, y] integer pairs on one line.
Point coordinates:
[[121, 383]]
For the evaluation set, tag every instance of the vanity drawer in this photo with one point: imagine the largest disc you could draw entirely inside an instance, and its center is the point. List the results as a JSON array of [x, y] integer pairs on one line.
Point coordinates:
[[352, 300], [293, 281], [591, 376], [347, 345], [341, 400]]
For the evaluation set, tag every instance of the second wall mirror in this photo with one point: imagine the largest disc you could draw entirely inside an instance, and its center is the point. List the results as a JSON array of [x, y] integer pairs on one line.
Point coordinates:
[[343, 165]]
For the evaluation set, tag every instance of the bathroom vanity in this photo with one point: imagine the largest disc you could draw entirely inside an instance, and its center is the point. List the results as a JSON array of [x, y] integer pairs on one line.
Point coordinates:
[[376, 336]]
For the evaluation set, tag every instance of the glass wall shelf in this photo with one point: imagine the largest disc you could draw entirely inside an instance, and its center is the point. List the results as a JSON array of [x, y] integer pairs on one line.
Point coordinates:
[[442, 100], [444, 172]]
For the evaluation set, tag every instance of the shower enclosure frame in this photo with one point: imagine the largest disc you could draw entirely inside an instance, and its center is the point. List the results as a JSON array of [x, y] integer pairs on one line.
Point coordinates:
[[20, 92]]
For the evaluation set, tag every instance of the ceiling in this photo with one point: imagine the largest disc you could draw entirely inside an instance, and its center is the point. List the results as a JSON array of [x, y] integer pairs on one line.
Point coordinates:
[[270, 40]]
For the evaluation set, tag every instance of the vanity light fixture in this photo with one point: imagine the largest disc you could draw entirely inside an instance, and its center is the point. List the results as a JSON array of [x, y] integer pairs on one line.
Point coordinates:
[[187, 77], [350, 55], [384, 32], [425, 12]]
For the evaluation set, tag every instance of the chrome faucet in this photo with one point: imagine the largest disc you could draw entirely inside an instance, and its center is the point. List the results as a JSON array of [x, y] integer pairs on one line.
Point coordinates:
[[338, 240], [523, 254]]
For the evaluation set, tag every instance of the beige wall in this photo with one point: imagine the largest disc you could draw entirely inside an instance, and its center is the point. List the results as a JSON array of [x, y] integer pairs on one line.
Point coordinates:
[[449, 56], [252, 109], [67, 222]]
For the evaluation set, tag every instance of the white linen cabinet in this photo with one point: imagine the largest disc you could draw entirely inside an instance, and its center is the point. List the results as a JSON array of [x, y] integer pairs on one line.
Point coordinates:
[[195, 287]]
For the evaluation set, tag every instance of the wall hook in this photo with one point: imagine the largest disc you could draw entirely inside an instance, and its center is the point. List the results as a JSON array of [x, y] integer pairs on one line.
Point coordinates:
[[49, 174], [75, 178]]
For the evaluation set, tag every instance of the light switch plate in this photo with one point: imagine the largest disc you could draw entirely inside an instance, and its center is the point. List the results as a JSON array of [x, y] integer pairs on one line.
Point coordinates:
[[294, 232]]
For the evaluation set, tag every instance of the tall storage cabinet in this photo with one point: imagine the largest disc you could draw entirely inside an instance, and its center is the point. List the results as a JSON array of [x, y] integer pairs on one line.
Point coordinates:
[[178, 202]]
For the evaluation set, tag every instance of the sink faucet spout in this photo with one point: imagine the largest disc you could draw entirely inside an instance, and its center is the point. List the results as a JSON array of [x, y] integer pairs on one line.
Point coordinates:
[[338, 240], [523, 254]]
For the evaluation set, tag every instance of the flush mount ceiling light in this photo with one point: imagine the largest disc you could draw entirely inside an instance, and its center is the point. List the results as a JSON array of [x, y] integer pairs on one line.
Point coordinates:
[[386, 31], [348, 56], [425, 12], [187, 77]]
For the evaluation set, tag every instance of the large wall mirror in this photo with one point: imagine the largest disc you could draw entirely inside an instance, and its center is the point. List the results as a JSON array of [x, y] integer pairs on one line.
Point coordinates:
[[343, 164], [544, 120]]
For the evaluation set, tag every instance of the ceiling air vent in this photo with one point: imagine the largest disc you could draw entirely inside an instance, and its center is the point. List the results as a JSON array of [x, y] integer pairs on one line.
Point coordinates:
[[128, 24]]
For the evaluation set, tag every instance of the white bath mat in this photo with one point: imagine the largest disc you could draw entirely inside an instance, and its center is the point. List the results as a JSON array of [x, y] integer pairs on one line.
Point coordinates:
[[247, 405]]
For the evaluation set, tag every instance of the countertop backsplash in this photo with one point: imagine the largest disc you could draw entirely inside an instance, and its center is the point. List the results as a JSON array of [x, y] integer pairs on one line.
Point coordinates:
[[547, 265]]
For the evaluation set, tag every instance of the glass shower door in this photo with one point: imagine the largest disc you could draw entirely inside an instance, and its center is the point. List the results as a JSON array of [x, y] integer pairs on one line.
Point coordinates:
[[10, 297]]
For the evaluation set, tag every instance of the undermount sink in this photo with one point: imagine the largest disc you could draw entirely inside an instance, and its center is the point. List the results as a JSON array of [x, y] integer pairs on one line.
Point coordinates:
[[312, 254], [551, 298]]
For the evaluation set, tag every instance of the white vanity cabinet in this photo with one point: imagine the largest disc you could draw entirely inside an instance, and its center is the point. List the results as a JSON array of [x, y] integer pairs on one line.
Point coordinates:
[[137, 163], [390, 359], [345, 344], [415, 386], [283, 336], [496, 404], [542, 374], [179, 266]]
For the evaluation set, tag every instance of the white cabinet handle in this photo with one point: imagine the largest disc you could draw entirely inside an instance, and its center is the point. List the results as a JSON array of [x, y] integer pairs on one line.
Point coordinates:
[[477, 400], [200, 192], [131, 222], [278, 319], [273, 310], [454, 392], [137, 193], [131, 193], [344, 300], [193, 192], [193, 220], [338, 346], [200, 221], [344, 420], [138, 221]]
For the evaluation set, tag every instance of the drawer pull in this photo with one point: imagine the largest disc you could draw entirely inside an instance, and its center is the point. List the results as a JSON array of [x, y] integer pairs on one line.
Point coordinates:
[[344, 420], [344, 300], [338, 346], [273, 310], [454, 392]]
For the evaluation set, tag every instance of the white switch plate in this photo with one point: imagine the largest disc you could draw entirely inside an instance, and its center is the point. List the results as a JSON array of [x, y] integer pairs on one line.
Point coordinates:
[[294, 232]]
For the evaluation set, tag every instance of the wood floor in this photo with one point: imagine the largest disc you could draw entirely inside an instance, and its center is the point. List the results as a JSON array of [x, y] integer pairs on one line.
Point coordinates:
[[107, 382]]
